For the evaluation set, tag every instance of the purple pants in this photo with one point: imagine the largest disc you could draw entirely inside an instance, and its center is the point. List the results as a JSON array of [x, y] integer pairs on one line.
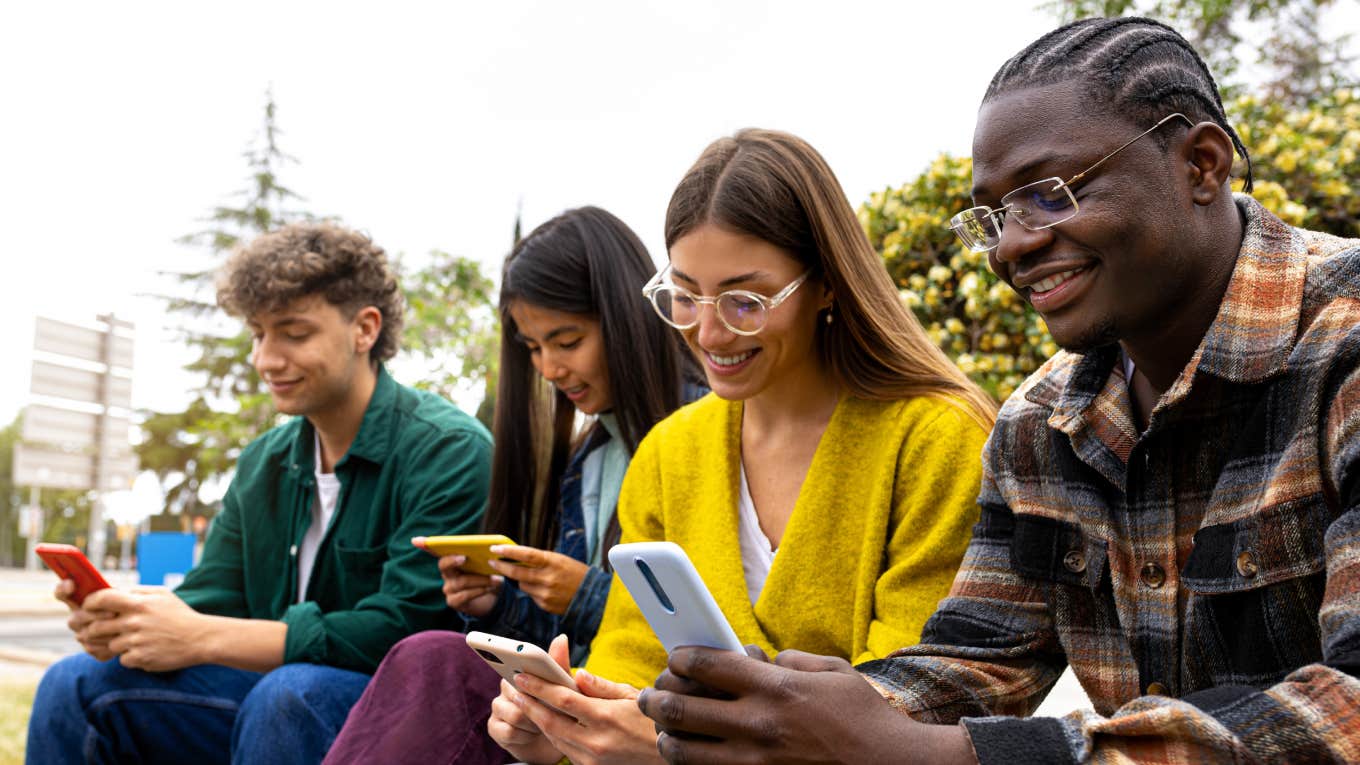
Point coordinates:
[[428, 703]]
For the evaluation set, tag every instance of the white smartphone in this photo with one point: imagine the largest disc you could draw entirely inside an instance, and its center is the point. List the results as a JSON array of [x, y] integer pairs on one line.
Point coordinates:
[[511, 657], [672, 595]]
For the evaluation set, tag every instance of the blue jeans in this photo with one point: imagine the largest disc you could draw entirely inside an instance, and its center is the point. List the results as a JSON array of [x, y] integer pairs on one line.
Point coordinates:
[[101, 712]]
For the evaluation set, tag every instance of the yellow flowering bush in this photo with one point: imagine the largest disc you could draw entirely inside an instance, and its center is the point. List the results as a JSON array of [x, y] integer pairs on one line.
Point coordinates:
[[971, 315], [1306, 161]]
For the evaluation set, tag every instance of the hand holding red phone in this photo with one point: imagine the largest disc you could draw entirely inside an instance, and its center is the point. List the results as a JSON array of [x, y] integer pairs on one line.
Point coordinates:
[[150, 628]]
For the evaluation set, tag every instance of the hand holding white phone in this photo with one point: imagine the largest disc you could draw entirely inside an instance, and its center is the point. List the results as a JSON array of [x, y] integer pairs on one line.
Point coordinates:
[[672, 596]]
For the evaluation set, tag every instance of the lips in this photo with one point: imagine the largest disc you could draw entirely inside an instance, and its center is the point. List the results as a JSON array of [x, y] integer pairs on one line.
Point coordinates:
[[577, 393], [728, 364], [1058, 289], [282, 386], [1049, 283]]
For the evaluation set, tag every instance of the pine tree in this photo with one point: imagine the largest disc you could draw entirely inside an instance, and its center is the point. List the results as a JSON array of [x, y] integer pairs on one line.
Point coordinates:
[[191, 448]]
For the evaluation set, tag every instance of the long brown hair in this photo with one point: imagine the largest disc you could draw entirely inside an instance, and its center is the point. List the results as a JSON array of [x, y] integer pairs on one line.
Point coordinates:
[[777, 188]]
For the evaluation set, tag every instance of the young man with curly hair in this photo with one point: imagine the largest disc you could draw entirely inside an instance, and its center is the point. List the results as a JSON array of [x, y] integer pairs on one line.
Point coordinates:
[[308, 575]]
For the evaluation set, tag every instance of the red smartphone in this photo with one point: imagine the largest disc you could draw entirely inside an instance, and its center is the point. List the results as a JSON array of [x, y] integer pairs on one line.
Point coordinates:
[[70, 563]]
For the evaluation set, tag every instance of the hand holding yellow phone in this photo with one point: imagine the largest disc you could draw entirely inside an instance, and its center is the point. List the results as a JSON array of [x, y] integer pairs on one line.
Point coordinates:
[[476, 547]]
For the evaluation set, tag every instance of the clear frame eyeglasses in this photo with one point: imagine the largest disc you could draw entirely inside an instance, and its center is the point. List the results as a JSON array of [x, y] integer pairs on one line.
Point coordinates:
[[1037, 205], [742, 311]]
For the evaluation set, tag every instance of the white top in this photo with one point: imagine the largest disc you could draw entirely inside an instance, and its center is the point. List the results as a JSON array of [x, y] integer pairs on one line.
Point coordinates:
[[323, 509], [756, 554]]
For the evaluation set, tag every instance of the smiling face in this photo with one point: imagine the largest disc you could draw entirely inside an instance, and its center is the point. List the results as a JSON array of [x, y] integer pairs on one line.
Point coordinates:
[[1119, 268], [710, 260], [310, 356], [568, 350]]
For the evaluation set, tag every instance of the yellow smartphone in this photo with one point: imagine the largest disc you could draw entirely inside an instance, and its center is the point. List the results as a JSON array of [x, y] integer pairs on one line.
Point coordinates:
[[475, 546]]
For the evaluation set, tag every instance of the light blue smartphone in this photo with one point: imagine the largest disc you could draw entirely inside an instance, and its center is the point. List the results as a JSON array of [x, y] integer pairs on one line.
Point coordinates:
[[672, 596]]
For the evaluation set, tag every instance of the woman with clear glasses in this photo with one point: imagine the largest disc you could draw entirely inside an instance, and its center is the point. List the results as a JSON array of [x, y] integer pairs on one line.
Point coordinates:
[[825, 491]]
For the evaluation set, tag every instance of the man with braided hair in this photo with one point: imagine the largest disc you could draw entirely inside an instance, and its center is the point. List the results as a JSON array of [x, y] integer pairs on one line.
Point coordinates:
[[1170, 505], [308, 574]]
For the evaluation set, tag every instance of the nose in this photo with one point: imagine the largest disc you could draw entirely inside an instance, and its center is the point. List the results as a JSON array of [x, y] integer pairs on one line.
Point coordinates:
[[1017, 243], [712, 333], [549, 365], [264, 356]]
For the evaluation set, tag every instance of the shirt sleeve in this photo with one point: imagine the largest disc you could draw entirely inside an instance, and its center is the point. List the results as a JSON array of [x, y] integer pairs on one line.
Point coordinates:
[[217, 585], [443, 493], [998, 655]]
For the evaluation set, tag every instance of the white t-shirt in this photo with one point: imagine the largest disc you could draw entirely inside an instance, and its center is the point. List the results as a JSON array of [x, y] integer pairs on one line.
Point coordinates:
[[756, 554], [323, 509]]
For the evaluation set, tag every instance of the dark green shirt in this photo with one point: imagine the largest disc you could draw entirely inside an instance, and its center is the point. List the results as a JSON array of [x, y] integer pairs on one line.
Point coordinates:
[[418, 466]]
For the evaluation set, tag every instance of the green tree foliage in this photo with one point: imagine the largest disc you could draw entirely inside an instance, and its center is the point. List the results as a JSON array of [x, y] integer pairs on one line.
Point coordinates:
[[452, 328]]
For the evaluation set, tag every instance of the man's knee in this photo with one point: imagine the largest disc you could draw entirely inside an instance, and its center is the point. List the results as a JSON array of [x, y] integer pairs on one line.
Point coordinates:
[[77, 679], [296, 693]]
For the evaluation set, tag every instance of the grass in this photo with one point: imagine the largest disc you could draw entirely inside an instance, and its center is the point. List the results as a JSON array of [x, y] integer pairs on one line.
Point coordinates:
[[16, 701]]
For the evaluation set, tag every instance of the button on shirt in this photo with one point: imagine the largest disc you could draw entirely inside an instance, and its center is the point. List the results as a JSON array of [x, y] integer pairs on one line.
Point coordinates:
[[1209, 564]]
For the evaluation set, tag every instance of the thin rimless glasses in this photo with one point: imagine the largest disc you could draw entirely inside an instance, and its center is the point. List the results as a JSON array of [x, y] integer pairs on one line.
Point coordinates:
[[1035, 206], [742, 311]]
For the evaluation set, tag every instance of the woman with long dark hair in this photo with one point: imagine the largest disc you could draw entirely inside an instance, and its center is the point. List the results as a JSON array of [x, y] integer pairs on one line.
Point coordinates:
[[576, 338], [825, 493]]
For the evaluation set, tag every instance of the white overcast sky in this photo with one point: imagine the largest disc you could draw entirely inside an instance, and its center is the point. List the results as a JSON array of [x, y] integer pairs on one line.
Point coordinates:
[[426, 124]]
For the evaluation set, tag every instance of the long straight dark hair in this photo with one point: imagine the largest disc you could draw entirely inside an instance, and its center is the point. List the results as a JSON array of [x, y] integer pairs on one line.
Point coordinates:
[[584, 261]]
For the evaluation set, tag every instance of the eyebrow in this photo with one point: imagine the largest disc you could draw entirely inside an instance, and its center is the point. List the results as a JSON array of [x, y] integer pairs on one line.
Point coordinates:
[[562, 330], [728, 282], [286, 321]]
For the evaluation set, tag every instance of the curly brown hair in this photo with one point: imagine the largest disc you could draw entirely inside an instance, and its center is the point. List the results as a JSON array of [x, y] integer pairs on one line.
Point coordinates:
[[315, 258]]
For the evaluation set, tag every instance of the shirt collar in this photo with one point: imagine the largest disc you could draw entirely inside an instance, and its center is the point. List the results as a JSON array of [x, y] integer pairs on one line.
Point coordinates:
[[372, 442], [1249, 340]]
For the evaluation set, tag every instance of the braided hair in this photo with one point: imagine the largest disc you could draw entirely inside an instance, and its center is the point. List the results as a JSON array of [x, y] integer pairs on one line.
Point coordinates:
[[1142, 68]]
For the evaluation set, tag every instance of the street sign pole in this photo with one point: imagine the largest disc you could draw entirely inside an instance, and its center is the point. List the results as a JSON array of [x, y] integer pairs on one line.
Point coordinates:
[[98, 536], [35, 529]]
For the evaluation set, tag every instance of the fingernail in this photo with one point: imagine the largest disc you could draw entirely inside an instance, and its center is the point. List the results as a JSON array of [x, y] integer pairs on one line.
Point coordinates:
[[497, 549]]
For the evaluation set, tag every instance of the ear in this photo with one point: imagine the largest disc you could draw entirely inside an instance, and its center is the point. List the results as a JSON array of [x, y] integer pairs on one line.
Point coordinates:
[[828, 295], [367, 325], [1208, 155]]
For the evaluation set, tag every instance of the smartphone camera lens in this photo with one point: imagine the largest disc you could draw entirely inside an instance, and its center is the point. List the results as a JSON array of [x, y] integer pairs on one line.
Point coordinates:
[[654, 584], [489, 656]]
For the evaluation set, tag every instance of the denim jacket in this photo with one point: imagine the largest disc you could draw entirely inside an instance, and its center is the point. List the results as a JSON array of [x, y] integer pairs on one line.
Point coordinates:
[[515, 614]]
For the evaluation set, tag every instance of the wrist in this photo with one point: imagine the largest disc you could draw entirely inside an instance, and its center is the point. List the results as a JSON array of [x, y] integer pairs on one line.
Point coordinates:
[[207, 639]]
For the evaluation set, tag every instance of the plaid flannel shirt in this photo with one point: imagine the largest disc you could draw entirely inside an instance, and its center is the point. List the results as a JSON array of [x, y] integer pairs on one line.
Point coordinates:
[[1202, 578]]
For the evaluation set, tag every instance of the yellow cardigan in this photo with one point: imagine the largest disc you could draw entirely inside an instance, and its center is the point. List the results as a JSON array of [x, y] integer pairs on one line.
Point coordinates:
[[874, 541]]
